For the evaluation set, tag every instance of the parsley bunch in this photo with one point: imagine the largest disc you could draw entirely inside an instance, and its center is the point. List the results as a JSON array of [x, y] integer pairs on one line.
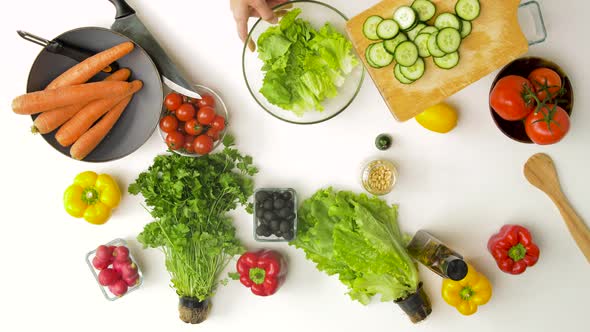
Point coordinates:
[[189, 199]]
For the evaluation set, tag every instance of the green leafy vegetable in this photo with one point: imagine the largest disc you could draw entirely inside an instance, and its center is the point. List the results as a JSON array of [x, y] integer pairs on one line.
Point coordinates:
[[358, 238], [303, 66], [189, 199]]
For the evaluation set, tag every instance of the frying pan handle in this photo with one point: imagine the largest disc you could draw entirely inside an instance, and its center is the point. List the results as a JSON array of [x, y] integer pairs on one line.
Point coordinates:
[[123, 9]]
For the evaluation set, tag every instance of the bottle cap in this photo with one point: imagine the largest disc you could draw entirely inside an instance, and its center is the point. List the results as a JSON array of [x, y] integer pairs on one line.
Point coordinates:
[[457, 269]]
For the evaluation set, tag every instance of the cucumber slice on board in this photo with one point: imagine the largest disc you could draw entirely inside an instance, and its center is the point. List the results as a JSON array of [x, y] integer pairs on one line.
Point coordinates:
[[399, 76], [406, 17], [468, 10], [387, 29], [391, 44], [433, 48], [422, 43], [379, 56], [370, 27], [466, 29], [448, 40], [425, 9], [406, 53], [447, 20], [367, 51], [414, 72], [429, 30], [448, 61], [415, 31]]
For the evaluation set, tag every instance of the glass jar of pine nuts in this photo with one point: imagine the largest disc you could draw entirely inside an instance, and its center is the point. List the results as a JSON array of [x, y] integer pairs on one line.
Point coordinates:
[[379, 176]]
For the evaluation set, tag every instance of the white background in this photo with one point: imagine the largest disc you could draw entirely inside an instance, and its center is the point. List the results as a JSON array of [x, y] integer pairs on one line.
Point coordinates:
[[462, 186]]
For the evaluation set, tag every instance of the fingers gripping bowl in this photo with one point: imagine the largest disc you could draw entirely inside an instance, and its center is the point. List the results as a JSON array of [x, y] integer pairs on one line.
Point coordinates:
[[308, 89]]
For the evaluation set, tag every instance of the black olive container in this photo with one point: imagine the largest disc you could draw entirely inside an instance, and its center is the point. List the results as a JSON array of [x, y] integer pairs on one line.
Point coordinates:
[[417, 306], [260, 220]]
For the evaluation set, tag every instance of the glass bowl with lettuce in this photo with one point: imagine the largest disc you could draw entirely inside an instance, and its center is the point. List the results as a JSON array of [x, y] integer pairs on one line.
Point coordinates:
[[303, 69]]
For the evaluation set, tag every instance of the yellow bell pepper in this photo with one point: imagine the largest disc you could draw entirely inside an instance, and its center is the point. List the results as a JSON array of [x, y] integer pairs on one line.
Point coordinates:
[[469, 293], [92, 197]]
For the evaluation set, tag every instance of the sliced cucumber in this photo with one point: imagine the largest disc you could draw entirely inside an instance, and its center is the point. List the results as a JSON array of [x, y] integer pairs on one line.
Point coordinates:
[[433, 48], [370, 27], [448, 61], [415, 31], [429, 30], [448, 40], [391, 44], [387, 29], [406, 54], [367, 51], [399, 76], [406, 17], [379, 56], [422, 43], [466, 29], [425, 9], [447, 20], [414, 72], [468, 9]]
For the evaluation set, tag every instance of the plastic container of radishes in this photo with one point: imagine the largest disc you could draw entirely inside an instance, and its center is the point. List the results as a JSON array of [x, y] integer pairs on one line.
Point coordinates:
[[95, 272]]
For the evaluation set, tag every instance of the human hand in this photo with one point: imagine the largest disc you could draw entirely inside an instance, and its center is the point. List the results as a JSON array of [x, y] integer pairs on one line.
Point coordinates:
[[244, 9]]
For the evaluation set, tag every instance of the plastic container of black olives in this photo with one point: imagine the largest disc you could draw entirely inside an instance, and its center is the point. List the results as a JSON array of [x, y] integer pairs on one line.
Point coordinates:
[[275, 214]]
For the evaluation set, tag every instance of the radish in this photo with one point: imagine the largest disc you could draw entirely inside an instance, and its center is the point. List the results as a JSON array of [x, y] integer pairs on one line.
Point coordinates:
[[128, 271], [100, 264], [133, 281], [118, 265], [104, 253], [119, 288], [121, 253], [108, 277]]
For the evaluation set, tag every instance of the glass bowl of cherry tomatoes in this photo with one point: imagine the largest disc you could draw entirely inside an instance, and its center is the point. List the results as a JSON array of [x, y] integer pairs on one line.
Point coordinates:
[[193, 127]]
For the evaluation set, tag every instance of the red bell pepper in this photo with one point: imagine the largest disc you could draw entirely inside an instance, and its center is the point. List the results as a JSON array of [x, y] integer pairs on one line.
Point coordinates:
[[263, 271], [513, 249]]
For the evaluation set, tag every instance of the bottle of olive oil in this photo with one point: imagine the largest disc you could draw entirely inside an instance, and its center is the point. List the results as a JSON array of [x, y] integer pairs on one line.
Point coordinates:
[[436, 256]]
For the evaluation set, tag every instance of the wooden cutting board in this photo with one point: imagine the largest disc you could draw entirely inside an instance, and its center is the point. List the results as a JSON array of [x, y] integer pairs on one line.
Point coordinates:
[[496, 40]]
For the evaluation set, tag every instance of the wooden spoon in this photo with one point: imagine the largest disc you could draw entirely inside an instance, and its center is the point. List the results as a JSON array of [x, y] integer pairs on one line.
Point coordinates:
[[540, 172]]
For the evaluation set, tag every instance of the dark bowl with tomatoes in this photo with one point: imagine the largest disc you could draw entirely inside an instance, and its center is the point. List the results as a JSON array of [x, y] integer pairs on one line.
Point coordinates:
[[193, 127], [516, 130]]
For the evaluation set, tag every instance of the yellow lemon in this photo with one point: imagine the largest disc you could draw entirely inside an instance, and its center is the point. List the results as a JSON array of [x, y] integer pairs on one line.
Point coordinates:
[[440, 118]]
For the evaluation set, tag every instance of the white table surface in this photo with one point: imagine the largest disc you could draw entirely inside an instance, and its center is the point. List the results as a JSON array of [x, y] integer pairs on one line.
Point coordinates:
[[462, 186]]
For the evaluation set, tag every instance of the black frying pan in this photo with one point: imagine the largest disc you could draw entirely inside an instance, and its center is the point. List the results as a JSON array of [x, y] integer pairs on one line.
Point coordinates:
[[142, 115]]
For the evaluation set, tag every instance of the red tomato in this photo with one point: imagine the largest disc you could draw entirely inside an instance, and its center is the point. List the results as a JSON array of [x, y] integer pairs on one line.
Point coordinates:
[[173, 101], [206, 100], [206, 115], [169, 123], [218, 123], [188, 146], [507, 98], [203, 144], [175, 140], [545, 80], [548, 126], [192, 127], [214, 134], [185, 112], [181, 126]]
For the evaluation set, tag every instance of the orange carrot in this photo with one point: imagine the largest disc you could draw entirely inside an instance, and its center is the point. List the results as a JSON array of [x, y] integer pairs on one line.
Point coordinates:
[[90, 140], [42, 101], [86, 69], [83, 120], [49, 121]]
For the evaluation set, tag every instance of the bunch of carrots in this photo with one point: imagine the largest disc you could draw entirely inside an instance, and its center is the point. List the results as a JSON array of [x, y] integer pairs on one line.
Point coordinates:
[[83, 112]]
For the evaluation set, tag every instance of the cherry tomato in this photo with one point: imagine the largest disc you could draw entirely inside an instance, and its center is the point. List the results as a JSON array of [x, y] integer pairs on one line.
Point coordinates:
[[218, 123], [548, 126], [508, 98], [192, 127], [206, 100], [185, 112], [189, 146], [181, 126], [203, 144], [214, 134], [173, 101], [169, 123], [175, 140], [206, 115], [545, 80]]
